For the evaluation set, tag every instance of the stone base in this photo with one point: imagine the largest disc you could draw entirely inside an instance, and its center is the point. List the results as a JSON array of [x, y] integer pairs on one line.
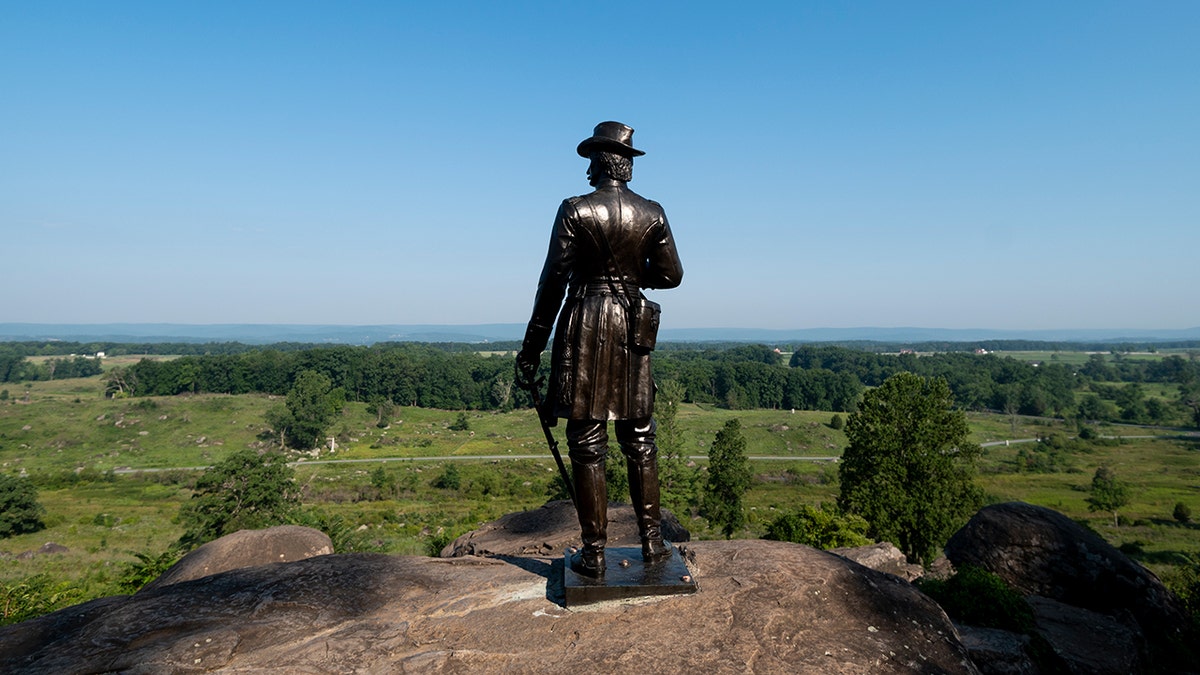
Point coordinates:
[[627, 576]]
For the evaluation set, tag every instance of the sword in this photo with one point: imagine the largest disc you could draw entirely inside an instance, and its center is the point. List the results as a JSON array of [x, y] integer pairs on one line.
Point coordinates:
[[534, 388]]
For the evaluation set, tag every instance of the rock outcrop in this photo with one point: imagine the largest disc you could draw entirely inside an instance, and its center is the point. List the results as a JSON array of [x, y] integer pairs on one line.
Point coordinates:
[[1098, 610], [882, 557], [246, 548], [549, 530], [763, 607]]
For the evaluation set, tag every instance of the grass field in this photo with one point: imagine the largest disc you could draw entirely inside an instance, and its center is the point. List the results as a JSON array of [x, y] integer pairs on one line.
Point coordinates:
[[67, 437]]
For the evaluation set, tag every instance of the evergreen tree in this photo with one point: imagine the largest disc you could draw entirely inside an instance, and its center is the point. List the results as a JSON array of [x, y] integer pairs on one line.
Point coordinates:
[[728, 479], [909, 467], [677, 479], [20, 511]]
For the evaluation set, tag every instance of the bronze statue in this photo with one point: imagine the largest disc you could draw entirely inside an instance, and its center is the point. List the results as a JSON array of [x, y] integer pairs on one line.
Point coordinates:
[[606, 246]]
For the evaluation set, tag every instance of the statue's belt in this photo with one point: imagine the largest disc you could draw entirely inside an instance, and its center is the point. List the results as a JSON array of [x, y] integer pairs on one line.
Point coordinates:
[[603, 286]]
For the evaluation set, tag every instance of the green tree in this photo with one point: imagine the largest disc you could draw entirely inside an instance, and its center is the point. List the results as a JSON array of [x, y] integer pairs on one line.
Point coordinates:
[[678, 480], [246, 490], [820, 527], [383, 409], [311, 406], [1189, 398], [728, 479], [909, 467], [20, 511], [1108, 493]]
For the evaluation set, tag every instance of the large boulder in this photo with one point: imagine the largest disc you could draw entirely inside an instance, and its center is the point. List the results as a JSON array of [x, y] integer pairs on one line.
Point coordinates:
[[1088, 642], [247, 548], [549, 530], [762, 607], [1041, 552]]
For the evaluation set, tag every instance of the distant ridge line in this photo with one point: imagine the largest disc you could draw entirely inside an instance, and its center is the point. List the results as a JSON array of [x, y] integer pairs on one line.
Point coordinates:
[[503, 332]]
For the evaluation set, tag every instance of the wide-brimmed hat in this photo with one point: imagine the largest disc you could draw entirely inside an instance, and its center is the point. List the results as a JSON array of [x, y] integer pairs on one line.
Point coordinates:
[[612, 137]]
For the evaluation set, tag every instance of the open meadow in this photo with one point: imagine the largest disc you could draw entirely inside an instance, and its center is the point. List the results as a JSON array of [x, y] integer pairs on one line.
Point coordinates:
[[112, 474]]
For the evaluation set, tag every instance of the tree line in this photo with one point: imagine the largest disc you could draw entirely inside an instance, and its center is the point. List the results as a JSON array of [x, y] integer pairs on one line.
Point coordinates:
[[431, 377], [456, 376], [14, 367]]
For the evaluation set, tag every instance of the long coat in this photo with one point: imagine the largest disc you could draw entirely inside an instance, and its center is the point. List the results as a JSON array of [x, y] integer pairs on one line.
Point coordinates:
[[606, 246]]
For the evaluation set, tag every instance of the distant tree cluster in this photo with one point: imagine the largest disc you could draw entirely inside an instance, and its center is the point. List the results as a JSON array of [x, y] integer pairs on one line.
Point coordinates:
[[15, 368]]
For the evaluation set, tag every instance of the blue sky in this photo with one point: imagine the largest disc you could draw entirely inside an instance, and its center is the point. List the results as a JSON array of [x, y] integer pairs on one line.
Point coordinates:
[[1010, 165]]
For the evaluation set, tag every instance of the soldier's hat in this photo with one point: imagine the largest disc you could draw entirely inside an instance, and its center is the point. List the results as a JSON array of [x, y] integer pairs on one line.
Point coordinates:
[[611, 137]]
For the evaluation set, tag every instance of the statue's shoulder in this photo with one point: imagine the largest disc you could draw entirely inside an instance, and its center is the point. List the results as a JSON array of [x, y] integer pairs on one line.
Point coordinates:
[[648, 202]]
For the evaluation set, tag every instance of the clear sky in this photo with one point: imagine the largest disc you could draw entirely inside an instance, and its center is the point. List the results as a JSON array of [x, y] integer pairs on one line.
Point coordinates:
[[1009, 165]]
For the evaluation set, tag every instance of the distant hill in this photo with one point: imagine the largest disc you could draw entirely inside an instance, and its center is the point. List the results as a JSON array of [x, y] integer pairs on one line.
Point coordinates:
[[499, 332]]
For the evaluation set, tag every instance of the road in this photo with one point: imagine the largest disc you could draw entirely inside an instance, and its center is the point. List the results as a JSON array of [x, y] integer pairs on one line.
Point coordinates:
[[487, 458]]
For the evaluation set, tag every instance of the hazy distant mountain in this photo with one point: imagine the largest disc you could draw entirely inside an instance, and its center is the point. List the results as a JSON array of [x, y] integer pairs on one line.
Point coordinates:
[[480, 333]]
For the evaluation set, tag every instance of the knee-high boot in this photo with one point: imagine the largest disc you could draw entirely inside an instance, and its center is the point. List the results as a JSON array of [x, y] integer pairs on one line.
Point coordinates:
[[591, 494], [644, 492]]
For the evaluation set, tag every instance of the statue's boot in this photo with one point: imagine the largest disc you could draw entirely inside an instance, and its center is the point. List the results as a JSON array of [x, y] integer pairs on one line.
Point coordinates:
[[644, 492], [591, 495]]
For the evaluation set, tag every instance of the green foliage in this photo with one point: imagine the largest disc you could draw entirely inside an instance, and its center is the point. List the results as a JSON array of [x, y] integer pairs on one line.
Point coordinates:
[[383, 410], [34, 596], [1182, 513], [20, 511], [1108, 493], [246, 490], [461, 423], [616, 475], [3, 394], [1184, 582], [977, 597], [679, 482], [346, 536], [313, 404], [837, 423], [728, 480], [819, 527], [450, 479], [909, 467], [148, 567]]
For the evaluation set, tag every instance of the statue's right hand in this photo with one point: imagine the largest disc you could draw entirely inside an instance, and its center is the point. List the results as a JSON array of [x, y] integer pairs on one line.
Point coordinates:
[[527, 366]]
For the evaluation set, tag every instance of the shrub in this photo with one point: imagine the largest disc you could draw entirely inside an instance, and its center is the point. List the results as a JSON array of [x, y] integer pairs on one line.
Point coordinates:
[[837, 423], [819, 527], [450, 479], [1182, 513], [146, 569], [461, 423], [977, 597], [20, 511]]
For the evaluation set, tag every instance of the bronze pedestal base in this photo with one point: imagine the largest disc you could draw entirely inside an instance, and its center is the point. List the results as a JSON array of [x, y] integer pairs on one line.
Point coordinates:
[[626, 576]]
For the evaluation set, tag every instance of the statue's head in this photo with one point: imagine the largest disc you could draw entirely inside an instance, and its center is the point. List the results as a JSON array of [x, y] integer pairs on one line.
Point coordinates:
[[611, 152]]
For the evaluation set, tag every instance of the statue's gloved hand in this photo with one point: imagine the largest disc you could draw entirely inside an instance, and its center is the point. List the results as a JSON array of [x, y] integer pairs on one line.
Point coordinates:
[[527, 367]]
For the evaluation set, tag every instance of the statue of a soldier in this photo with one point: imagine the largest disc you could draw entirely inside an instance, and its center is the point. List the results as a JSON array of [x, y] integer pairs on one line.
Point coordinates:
[[605, 248]]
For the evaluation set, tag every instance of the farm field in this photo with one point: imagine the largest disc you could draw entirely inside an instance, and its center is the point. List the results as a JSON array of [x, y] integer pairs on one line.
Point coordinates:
[[72, 442]]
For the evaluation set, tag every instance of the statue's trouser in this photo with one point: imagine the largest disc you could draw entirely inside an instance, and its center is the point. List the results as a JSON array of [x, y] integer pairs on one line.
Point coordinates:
[[588, 443]]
